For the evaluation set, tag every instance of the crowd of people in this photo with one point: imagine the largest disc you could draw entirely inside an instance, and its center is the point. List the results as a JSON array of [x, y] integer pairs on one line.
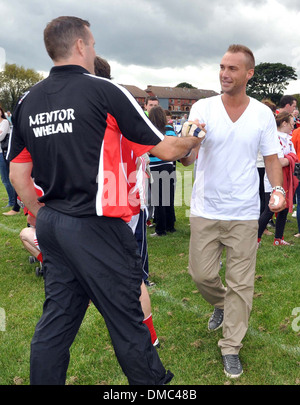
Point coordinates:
[[287, 122], [79, 221]]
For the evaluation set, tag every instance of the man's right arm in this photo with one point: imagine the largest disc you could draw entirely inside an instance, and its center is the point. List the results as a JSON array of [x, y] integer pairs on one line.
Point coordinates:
[[174, 148], [131, 121]]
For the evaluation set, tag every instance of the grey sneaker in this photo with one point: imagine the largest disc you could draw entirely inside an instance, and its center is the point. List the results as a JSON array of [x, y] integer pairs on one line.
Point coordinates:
[[216, 320], [232, 365]]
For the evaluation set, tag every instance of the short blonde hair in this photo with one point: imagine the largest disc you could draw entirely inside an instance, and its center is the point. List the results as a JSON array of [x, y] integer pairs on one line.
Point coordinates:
[[235, 48]]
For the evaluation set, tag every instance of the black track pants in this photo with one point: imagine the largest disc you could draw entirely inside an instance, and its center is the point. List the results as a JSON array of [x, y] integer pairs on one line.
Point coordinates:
[[91, 258]]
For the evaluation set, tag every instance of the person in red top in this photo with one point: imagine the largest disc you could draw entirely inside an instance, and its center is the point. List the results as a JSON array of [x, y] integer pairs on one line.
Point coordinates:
[[135, 169], [71, 124]]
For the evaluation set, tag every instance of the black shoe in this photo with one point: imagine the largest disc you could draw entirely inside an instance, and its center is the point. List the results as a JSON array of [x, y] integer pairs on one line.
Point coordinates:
[[232, 365], [216, 320]]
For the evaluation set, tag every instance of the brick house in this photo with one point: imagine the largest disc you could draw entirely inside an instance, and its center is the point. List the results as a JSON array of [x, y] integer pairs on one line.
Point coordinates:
[[175, 99], [138, 94]]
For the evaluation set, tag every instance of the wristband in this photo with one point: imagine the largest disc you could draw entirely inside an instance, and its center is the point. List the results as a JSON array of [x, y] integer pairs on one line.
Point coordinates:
[[199, 133], [280, 189]]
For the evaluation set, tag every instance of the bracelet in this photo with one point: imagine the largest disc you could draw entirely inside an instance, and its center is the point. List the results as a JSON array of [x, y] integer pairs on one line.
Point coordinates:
[[280, 189]]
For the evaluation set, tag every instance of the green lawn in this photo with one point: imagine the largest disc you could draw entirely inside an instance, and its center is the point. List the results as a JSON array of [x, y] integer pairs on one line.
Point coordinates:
[[271, 352]]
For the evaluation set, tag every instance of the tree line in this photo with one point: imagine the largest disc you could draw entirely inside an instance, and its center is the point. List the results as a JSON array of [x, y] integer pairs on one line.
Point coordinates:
[[14, 82], [270, 81]]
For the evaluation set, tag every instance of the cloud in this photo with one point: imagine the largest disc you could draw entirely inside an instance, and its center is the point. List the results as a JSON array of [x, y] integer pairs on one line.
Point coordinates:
[[292, 5], [159, 39]]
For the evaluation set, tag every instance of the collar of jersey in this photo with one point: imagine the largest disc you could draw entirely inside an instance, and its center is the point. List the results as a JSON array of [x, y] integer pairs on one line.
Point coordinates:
[[68, 69]]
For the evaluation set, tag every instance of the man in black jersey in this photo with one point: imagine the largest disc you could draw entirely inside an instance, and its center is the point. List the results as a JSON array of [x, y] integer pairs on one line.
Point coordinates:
[[66, 135]]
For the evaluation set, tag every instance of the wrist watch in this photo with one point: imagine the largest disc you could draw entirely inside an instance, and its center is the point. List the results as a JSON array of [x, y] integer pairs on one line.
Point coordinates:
[[280, 189]]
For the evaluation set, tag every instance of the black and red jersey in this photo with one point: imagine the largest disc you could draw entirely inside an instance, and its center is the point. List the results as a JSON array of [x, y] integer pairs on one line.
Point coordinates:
[[70, 125]]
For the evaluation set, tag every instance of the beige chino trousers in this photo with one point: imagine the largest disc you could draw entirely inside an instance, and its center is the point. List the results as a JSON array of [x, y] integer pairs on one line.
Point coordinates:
[[239, 238]]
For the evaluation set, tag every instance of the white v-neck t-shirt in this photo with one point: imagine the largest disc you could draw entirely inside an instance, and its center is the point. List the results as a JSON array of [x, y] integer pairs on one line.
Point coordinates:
[[226, 185]]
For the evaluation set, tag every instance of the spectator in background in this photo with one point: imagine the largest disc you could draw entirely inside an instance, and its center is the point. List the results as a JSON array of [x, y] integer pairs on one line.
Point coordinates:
[[287, 104], [163, 172], [4, 165], [28, 235], [296, 118], [169, 118], [260, 164], [170, 124], [8, 117], [102, 68], [150, 102], [183, 119], [269, 103], [287, 158]]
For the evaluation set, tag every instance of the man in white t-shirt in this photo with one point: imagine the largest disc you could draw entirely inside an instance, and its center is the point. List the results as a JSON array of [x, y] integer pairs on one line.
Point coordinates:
[[225, 199]]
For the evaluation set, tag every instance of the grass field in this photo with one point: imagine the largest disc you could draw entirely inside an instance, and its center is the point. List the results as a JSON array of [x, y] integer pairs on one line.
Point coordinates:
[[271, 352]]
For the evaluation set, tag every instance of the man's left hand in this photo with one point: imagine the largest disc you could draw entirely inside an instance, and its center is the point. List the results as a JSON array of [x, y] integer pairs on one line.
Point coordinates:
[[277, 202]]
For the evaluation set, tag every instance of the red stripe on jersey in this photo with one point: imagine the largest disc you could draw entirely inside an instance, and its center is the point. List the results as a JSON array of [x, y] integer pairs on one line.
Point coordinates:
[[112, 198], [129, 159], [23, 157]]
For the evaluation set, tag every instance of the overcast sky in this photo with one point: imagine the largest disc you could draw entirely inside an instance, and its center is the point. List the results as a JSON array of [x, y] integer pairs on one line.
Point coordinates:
[[159, 42]]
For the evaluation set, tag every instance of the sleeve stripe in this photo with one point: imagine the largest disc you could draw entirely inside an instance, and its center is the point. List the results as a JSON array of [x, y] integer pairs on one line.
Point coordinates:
[[135, 105]]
